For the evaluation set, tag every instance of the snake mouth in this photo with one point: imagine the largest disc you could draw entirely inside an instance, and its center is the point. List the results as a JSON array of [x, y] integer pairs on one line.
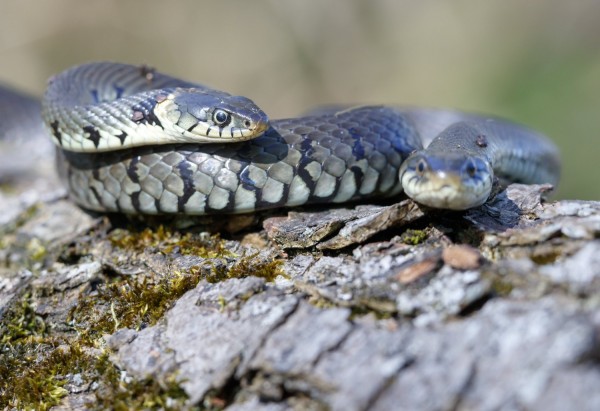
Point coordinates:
[[446, 180], [257, 127]]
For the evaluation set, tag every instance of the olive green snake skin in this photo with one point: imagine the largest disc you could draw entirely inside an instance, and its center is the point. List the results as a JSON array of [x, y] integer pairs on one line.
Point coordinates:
[[135, 141]]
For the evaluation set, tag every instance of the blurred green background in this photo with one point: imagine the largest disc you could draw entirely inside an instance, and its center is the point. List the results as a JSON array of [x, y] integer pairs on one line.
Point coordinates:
[[536, 61]]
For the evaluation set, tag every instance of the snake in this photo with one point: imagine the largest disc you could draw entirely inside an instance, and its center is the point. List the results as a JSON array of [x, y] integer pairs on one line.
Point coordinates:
[[136, 141]]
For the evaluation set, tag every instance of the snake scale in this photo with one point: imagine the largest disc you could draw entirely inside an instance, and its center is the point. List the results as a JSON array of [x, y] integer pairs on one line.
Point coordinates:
[[136, 141]]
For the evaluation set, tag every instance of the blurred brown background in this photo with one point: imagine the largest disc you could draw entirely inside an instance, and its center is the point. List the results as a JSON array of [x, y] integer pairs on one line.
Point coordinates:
[[536, 61]]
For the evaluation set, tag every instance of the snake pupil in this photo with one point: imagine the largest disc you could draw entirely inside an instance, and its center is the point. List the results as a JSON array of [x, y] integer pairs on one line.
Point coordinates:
[[421, 166]]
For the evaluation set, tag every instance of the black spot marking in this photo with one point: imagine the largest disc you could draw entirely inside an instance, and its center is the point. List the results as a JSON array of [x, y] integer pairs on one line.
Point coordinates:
[[358, 177], [55, 131], [144, 113], [152, 119], [122, 137], [147, 72], [306, 146], [135, 200], [304, 174], [186, 174], [96, 194], [132, 170], [284, 194], [481, 141], [231, 202], [118, 206], [119, 91], [94, 135], [246, 180]]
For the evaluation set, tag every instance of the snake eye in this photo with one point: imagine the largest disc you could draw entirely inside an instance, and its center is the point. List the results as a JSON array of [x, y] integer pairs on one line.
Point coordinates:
[[421, 166], [221, 117]]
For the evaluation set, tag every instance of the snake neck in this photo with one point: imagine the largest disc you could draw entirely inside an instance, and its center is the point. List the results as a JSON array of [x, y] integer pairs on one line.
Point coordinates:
[[104, 107]]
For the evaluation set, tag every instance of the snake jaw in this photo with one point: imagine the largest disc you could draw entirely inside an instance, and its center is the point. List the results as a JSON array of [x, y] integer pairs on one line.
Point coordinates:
[[449, 181]]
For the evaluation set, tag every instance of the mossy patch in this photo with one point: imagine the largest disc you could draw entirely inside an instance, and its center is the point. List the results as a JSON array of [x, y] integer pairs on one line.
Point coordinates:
[[33, 376], [21, 219], [34, 365], [414, 237], [21, 322], [117, 393], [247, 266], [546, 256], [166, 242], [41, 361], [131, 302], [37, 362], [33, 373], [502, 287]]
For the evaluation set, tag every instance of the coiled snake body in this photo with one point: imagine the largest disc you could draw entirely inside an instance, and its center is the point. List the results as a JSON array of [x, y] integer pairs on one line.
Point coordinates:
[[136, 141]]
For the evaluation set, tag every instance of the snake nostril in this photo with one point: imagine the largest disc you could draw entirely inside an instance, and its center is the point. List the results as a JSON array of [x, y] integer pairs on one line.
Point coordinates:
[[421, 166], [247, 123], [471, 169]]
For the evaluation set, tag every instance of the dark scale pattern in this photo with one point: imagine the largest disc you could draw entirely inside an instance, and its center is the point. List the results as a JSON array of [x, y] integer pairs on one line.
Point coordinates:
[[324, 158], [320, 159], [55, 132], [143, 111], [92, 134]]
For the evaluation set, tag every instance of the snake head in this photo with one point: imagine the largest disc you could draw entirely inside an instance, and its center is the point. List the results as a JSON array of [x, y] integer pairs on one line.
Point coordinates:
[[210, 116], [450, 180]]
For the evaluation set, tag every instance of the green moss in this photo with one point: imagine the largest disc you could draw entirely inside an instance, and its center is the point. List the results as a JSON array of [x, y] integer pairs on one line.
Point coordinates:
[[25, 253], [21, 322], [36, 251], [131, 302], [34, 365], [33, 374], [358, 311], [23, 218], [117, 393], [321, 302], [502, 288], [7, 188], [247, 266], [545, 257], [414, 237], [33, 377], [168, 242], [37, 362], [381, 309]]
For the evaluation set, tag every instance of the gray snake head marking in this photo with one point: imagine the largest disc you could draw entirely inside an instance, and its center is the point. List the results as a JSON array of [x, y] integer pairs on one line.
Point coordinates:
[[101, 107], [214, 116], [450, 180]]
